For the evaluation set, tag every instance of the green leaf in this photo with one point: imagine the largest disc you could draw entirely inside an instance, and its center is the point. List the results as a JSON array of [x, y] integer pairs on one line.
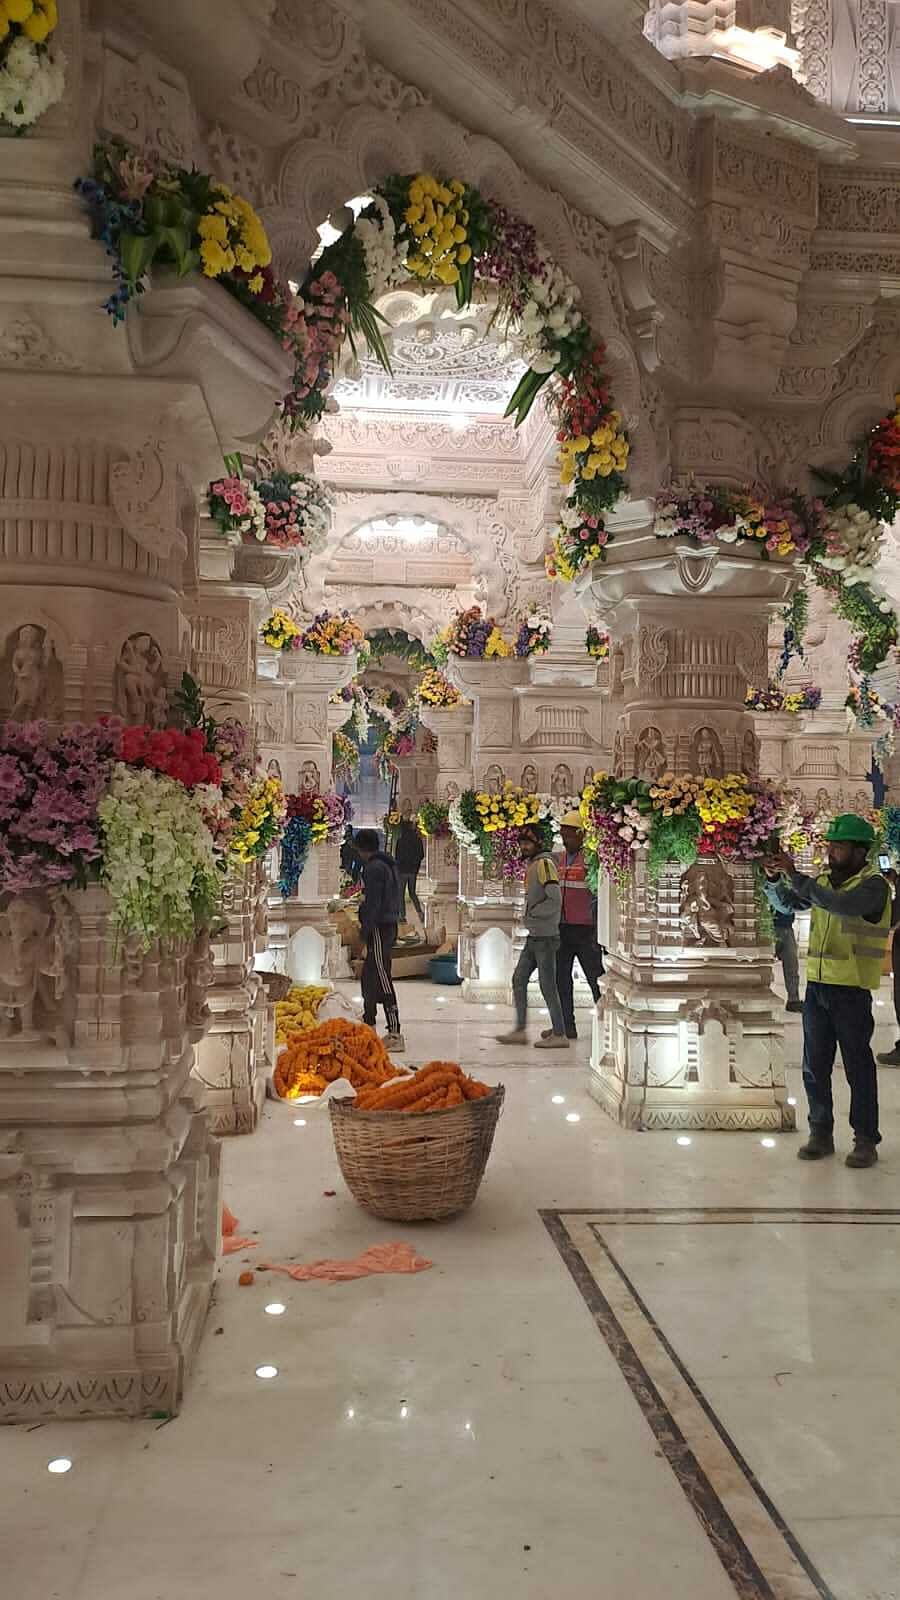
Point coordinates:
[[178, 240], [234, 464], [137, 251]]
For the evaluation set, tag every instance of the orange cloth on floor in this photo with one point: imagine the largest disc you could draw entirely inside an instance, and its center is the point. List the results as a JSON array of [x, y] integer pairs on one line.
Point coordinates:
[[230, 1243], [379, 1258]]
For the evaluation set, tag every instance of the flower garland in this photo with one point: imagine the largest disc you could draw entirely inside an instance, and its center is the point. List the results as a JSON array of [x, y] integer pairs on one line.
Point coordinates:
[[158, 863], [32, 73], [354, 697], [331, 633], [384, 642], [311, 819], [435, 690], [182, 756], [533, 637], [488, 825], [152, 214], [345, 759], [260, 823], [280, 631], [774, 698], [434, 819], [289, 510], [596, 643], [50, 787], [471, 634], [676, 819]]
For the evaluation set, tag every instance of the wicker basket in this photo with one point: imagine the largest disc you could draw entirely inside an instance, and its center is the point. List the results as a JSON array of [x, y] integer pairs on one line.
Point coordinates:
[[409, 1166]]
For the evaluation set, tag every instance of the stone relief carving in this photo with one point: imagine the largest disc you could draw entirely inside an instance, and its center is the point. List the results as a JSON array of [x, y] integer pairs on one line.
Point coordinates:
[[143, 492], [25, 344], [310, 778], [494, 780], [750, 754], [618, 756], [706, 904], [529, 779], [37, 936], [273, 768], [650, 754], [707, 760], [31, 676], [140, 692], [562, 783]]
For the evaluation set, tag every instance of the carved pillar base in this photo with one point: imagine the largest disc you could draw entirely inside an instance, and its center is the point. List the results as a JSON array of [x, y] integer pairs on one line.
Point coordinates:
[[685, 1035], [439, 889], [490, 912], [311, 943], [225, 1062], [109, 1186]]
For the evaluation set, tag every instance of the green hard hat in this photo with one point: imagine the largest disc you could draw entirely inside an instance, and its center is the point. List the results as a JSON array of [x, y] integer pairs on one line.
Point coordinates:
[[850, 829]]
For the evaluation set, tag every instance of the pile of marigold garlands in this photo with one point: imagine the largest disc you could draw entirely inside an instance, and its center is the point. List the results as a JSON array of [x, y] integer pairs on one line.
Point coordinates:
[[435, 1087], [316, 1057]]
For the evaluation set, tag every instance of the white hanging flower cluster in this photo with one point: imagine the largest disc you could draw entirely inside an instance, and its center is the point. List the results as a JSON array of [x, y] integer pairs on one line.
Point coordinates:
[[552, 312], [32, 79], [853, 539], [378, 237]]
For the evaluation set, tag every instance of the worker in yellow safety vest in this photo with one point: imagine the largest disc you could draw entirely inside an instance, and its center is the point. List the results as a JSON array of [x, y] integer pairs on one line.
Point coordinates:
[[848, 939]]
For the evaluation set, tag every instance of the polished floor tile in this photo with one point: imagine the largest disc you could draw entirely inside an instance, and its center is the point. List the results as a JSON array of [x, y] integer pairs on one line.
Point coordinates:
[[470, 1431]]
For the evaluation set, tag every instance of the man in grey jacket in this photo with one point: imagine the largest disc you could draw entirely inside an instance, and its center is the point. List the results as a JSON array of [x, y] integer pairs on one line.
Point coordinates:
[[543, 905]]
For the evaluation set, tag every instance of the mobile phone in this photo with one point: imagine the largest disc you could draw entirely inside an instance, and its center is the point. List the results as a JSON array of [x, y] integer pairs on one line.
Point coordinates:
[[884, 862]]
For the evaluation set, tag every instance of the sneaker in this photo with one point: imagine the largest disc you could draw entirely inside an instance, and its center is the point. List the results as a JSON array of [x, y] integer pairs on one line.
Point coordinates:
[[517, 1036], [394, 1041], [890, 1058], [863, 1154], [796, 1005], [547, 1033], [555, 1041], [818, 1144]]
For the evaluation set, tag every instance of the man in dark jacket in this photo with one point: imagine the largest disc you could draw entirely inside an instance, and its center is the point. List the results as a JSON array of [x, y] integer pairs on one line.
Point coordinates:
[[409, 853], [891, 1058], [379, 914]]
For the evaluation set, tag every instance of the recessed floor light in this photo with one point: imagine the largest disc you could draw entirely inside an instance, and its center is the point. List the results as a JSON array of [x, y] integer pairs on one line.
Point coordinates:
[[767, 1144], [792, 1100], [558, 1099], [683, 1139], [440, 1000], [267, 1372], [573, 1116], [59, 1465], [276, 1309], [299, 1122], [490, 1007]]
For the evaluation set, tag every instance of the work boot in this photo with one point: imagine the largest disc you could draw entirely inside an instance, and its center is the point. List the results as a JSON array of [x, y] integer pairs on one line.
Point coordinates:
[[863, 1154], [889, 1058], [820, 1143]]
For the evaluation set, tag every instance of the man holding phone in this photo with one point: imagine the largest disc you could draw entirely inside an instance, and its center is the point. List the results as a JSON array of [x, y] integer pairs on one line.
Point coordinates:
[[848, 936]]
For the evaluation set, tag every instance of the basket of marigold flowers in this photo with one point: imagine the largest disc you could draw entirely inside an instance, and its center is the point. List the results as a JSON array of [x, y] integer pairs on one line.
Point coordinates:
[[416, 1150]]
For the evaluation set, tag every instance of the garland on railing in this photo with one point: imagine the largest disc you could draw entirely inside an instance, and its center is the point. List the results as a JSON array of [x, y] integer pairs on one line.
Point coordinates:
[[384, 642], [329, 634], [471, 634]]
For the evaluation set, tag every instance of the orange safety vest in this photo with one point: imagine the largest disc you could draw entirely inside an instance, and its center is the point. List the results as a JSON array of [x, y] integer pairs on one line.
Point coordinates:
[[577, 900]]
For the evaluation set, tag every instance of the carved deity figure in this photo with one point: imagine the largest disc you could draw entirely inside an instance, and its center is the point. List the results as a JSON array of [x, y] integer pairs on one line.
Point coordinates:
[[588, 777], [452, 791], [707, 903], [310, 780], [494, 780], [529, 779], [25, 952], [562, 783], [748, 754], [706, 754], [29, 673], [140, 682], [650, 754]]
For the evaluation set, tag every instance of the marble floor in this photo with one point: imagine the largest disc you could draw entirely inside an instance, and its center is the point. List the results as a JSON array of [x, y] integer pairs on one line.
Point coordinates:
[[637, 1369]]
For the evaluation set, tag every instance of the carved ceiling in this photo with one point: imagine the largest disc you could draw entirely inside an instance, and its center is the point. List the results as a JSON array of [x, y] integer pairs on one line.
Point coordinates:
[[444, 362]]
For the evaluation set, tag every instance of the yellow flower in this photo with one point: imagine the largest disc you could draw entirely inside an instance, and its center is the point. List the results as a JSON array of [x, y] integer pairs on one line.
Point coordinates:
[[36, 27], [256, 283], [214, 258], [17, 10]]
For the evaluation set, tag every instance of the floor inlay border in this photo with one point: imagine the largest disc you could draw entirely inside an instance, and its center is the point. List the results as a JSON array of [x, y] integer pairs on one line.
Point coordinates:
[[755, 1545]]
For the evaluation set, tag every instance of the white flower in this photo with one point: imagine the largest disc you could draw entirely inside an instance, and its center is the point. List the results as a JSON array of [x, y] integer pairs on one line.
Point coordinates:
[[30, 82], [727, 535]]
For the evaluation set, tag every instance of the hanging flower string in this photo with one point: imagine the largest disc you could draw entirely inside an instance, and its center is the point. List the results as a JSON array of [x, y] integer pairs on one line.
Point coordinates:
[[32, 70], [488, 825], [311, 819]]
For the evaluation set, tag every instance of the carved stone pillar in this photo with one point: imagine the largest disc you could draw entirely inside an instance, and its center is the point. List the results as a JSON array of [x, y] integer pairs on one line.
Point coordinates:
[[686, 1037], [440, 891], [490, 908], [816, 756], [109, 1181], [294, 723]]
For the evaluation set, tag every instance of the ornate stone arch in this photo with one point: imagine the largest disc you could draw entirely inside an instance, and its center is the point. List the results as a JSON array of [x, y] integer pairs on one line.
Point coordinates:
[[343, 153]]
